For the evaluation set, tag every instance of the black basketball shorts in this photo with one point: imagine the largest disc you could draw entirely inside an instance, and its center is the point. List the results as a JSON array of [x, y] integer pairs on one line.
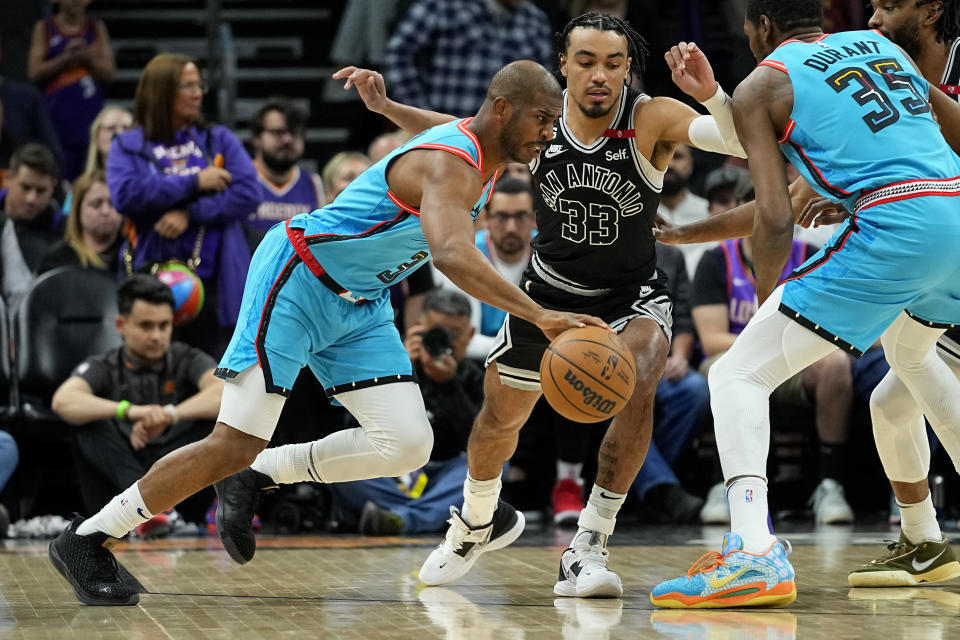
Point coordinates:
[[520, 345]]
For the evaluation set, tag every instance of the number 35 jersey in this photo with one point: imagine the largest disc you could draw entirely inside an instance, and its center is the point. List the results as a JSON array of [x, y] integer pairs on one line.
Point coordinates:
[[595, 206], [861, 116]]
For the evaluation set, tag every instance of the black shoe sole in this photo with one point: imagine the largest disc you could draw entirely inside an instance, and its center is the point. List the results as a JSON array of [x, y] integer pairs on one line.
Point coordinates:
[[228, 544], [61, 566]]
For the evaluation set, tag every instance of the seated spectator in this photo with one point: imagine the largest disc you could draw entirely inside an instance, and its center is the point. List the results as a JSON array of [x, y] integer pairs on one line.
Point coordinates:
[[723, 301], [187, 187], [341, 170], [519, 171], [452, 388], [110, 122], [93, 237], [70, 59], [722, 185], [679, 206], [134, 404], [681, 401], [285, 189], [9, 457], [30, 222], [25, 119], [384, 144]]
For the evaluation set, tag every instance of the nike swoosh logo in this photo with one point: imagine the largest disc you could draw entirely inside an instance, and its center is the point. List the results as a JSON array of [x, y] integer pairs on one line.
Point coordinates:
[[442, 565], [719, 584], [550, 153], [141, 514], [603, 495], [922, 566]]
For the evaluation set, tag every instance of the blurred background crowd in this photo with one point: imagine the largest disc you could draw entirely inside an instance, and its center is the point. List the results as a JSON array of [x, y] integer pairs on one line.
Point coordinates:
[[142, 138]]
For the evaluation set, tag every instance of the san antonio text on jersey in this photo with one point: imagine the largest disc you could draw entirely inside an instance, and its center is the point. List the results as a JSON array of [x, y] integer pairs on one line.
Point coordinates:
[[595, 205]]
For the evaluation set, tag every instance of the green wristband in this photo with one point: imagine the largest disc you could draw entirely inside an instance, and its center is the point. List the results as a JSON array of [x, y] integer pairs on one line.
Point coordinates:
[[122, 407]]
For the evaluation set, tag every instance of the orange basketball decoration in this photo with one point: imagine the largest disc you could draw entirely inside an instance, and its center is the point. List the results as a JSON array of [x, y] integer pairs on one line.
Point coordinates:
[[587, 374]]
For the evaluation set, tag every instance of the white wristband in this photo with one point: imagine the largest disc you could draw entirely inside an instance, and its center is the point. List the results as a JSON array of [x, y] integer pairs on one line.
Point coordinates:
[[172, 410], [717, 101]]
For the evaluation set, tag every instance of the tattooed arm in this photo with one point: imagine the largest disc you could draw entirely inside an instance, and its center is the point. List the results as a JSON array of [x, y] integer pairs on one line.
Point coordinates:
[[761, 108]]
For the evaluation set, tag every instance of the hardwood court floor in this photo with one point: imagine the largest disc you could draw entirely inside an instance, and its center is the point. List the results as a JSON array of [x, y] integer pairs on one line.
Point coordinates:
[[359, 588]]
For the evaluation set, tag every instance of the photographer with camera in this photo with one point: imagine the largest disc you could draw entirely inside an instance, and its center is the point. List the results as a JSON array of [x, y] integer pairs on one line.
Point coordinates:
[[452, 388]]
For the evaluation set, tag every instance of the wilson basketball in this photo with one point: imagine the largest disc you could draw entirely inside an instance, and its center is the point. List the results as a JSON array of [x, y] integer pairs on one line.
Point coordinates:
[[187, 292], [587, 374]]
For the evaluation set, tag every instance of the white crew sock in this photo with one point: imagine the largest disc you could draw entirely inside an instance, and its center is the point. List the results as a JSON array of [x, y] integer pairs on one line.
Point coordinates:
[[480, 500], [288, 464], [569, 470], [749, 516], [600, 513], [119, 516], [919, 521]]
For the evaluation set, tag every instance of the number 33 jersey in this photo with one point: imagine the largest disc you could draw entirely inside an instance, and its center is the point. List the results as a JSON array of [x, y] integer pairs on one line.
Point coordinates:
[[861, 117], [595, 206]]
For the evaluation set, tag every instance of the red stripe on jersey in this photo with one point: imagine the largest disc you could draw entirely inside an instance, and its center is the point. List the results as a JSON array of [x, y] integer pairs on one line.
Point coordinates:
[[779, 66], [787, 131], [620, 133], [950, 89]]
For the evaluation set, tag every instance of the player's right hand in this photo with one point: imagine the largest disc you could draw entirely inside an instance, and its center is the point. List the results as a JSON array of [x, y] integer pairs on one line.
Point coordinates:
[[369, 84], [553, 323], [820, 211]]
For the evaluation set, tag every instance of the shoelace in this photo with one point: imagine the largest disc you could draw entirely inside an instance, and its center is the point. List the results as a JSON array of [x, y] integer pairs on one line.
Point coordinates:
[[706, 563], [593, 554], [457, 532]]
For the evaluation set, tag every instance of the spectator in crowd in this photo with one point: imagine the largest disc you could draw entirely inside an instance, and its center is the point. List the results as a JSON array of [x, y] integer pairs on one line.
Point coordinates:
[[110, 122], [30, 223], [92, 239], [721, 187], [9, 457], [136, 403], [71, 59], [452, 387], [681, 401], [518, 170], [505, 242], [25, 119], [724, 299], [187, 187], [285, 189], [341, 170], [444, 52], [679, 206], [384, 144]]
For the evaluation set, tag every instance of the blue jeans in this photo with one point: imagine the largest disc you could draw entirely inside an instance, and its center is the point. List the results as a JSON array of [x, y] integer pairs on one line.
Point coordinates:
[[680, 406], [426, 514], [9, 457]]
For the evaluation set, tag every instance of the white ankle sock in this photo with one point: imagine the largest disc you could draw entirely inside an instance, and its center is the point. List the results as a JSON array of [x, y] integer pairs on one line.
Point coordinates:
[[569, 470], [600, 513], [919, 521], [749, 516], [288, 464], [119, 516], [480, 500]]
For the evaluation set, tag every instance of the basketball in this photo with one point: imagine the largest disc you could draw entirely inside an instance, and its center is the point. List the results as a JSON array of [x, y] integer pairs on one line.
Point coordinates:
[[587, 374], [187, 292]]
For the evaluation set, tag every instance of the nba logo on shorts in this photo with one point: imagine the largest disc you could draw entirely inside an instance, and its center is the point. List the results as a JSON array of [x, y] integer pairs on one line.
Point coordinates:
[[748, 495]]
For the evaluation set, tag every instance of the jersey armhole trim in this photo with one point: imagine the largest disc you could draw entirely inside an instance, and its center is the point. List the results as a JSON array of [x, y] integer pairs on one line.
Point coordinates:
[[650, 174], [774, 64]]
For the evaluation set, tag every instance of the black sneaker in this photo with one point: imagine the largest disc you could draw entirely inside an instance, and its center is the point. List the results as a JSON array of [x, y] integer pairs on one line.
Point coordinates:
[[90, 568], [238, 498]]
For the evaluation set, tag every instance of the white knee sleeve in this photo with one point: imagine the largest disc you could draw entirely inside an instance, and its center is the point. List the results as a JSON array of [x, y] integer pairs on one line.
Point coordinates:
[[394, 436], [899, 431], [246, 405], [771, 349], [910, 348]]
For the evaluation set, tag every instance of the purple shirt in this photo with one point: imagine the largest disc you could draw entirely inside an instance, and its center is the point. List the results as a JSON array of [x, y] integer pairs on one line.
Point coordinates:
[[73, 97], [301, 194]]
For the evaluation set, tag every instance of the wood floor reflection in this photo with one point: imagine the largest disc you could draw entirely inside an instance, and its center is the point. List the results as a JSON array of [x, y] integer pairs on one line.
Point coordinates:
[[352, 587]]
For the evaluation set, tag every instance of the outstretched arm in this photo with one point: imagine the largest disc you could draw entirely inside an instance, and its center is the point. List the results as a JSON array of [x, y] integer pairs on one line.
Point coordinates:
[[766, 94], [373, 91]]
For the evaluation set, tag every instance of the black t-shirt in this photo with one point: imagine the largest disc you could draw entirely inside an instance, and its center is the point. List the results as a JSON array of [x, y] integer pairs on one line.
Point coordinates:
[[63, 255], [113, 376]]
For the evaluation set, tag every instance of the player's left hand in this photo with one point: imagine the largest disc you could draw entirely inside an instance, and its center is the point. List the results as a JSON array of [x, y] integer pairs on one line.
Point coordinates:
[[665, 232], [821, 211], [553, 323], [691, 71], [369, 84], [172, 224]]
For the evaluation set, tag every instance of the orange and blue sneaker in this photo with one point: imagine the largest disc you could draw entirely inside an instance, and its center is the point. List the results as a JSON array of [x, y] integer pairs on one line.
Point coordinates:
[[732, 578]]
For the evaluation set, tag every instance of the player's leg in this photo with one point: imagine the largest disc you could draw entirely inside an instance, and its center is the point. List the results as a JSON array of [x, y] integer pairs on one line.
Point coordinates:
[[486, 523], [771, 349], [921, 554]]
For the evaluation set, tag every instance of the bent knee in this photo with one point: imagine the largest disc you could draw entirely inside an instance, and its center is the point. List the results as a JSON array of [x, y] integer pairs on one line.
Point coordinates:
[[233, 448], [410, 452]]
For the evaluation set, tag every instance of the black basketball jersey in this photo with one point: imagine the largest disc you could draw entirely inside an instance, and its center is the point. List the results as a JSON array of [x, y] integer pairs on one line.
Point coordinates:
[[950, 85], [595, 206]]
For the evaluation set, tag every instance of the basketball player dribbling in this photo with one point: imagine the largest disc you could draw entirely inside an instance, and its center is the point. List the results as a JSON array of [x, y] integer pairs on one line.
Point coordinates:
[[316, 295], [853, 114], [598, 184], [929, 31]]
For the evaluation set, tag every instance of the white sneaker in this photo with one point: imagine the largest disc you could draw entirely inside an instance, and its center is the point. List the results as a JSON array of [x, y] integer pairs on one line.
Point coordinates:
[[583, 569], [716, 509], [462, 545], [829, 505]]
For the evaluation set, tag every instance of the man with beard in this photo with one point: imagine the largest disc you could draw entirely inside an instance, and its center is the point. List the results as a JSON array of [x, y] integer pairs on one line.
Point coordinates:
[[316, 295], [285, 188], [679, 206], [598, 184], [929, 31]]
